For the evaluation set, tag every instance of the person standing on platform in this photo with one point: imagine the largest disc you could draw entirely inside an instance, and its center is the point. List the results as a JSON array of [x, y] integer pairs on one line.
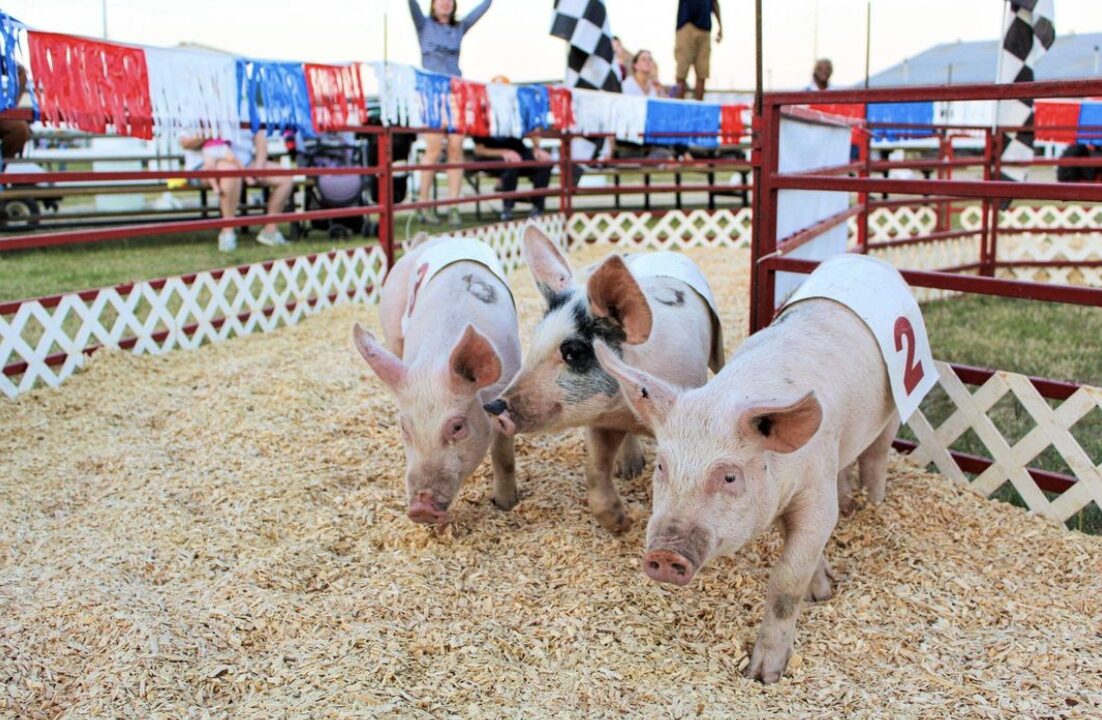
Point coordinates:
[[693, 42]]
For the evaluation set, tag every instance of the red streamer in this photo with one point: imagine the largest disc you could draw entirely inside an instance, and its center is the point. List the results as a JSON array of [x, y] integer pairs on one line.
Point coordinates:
[[849, 110], [562, 107], [91, 85], [731, 127], [1050, 113], [472, 107], [336, 96]]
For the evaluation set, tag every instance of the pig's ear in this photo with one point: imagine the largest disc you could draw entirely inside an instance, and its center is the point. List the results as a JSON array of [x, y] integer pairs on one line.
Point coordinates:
[[650, 398], [782, 428], [474, 363], [548, 266], [386, 364], [614, 294]]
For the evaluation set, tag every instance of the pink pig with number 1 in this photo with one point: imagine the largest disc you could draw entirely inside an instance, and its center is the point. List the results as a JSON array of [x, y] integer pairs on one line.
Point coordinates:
[[772, 437]]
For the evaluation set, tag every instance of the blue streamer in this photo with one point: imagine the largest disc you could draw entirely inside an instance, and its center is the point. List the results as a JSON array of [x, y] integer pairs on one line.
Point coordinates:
[[535, 106], [665, 116], [435, 91], [9, 67], [276, 96], [1090, 113], [912, 113]]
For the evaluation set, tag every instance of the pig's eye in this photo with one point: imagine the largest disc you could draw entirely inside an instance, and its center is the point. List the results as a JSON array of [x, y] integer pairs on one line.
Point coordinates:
[[730, 479], [455, 429], [578, 355]]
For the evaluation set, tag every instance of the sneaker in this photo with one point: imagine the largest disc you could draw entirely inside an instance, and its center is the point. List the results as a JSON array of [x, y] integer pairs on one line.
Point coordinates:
[[535, 212], [227, 241], [453, 217], [274, 239], [506, 215], [430, 218]]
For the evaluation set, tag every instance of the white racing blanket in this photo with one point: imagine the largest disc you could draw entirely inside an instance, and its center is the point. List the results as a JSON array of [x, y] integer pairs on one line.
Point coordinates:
[[878, 294], [679, 267], [439, 256]]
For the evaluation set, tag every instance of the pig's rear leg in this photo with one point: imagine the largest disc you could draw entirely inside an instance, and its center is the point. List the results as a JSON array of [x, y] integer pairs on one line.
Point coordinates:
[[845, 490], [505, 476], [630, 461], [820, 588], [604, 500], [873, 463]]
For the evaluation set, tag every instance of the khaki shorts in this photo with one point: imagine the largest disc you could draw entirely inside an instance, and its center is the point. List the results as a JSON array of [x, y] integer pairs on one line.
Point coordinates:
[[692, 47]]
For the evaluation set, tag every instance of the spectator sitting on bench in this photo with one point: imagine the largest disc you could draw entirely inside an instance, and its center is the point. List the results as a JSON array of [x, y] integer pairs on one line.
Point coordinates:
[[14, 134], [644, 81], [249, 151], [514, 150]]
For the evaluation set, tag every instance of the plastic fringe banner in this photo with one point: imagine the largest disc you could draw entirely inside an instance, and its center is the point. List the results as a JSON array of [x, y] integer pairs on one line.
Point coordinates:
[[9, 71], [435, 93], [400, 103], [505, 120], [472, 106], [731, 127], [534, 106], [562, 108], [601, 112], [336, 96], [671, 116], [91, 85], [193, 90], [276, 95]]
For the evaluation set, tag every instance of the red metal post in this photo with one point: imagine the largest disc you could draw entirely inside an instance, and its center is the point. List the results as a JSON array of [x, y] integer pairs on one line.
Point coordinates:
[[566, 177], [766, 163], [864, 154], [386, 197], [988, 268]]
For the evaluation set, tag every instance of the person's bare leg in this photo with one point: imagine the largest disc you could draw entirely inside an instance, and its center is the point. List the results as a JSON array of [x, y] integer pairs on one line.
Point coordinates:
[[433, 143], [281, 188], [455, 177], [229, 190], [698, 91], [679, 91]]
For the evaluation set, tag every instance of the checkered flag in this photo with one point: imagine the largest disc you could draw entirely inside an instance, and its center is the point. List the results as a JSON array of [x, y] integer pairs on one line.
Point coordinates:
[[584, 24], [1028, 34]]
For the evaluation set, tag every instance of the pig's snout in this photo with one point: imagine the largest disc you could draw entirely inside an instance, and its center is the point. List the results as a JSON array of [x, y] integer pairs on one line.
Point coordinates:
[[667, 566], [499, 416], [426, 510]]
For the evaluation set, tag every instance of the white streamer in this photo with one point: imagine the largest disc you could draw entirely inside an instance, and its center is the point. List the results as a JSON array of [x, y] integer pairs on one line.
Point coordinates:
[[603, 112], [504, 111], [193, 89], [400, 103]]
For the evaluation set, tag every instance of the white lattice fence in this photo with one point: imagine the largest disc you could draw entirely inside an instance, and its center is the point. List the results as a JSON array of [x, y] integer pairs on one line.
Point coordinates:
[[672, 229], [1052, 427], [50, 337]]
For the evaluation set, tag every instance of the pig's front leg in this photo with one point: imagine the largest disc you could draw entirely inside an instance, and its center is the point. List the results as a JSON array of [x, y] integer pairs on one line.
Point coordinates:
[[604, 501], [505, 474], [807, 528], [630, 461]]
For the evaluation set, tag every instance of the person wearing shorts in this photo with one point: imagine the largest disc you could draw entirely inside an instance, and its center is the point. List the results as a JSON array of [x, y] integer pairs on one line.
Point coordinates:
[[693, 42]]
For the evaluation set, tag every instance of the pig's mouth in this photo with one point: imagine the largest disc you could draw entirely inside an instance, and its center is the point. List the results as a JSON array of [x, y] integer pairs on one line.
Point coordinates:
[[427, 510], [509, 420]]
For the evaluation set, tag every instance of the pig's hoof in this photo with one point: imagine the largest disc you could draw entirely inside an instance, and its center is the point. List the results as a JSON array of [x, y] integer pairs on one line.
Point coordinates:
[[615, 520], [846, 506], [767, 665], [506, 502], [820, 587]]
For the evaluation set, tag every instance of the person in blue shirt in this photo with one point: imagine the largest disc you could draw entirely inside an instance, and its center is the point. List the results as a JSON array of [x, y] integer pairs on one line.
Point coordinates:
[[440, 35], [693, 42]]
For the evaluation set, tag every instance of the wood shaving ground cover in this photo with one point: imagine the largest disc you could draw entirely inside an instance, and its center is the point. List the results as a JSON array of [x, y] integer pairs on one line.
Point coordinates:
[[222, 533]]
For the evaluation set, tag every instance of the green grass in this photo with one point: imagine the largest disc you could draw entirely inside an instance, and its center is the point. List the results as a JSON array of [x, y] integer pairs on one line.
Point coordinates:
[[1060, 342]]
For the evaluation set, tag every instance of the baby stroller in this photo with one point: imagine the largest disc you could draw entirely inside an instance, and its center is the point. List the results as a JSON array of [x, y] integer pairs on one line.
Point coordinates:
[[334, 191]]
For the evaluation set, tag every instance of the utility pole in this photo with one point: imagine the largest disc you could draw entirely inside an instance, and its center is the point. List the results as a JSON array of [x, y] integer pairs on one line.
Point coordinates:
[[103, 9]]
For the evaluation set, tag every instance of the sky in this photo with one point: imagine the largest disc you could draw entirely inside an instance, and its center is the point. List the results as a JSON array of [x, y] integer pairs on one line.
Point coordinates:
[[512, 38]]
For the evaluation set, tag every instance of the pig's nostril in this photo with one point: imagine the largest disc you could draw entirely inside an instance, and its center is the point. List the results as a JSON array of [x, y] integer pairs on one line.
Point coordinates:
[[496, 407], [653, 565], [679, 568]]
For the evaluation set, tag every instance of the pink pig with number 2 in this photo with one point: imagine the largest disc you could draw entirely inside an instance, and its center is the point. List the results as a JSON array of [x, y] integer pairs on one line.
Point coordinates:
[[772, 437]]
